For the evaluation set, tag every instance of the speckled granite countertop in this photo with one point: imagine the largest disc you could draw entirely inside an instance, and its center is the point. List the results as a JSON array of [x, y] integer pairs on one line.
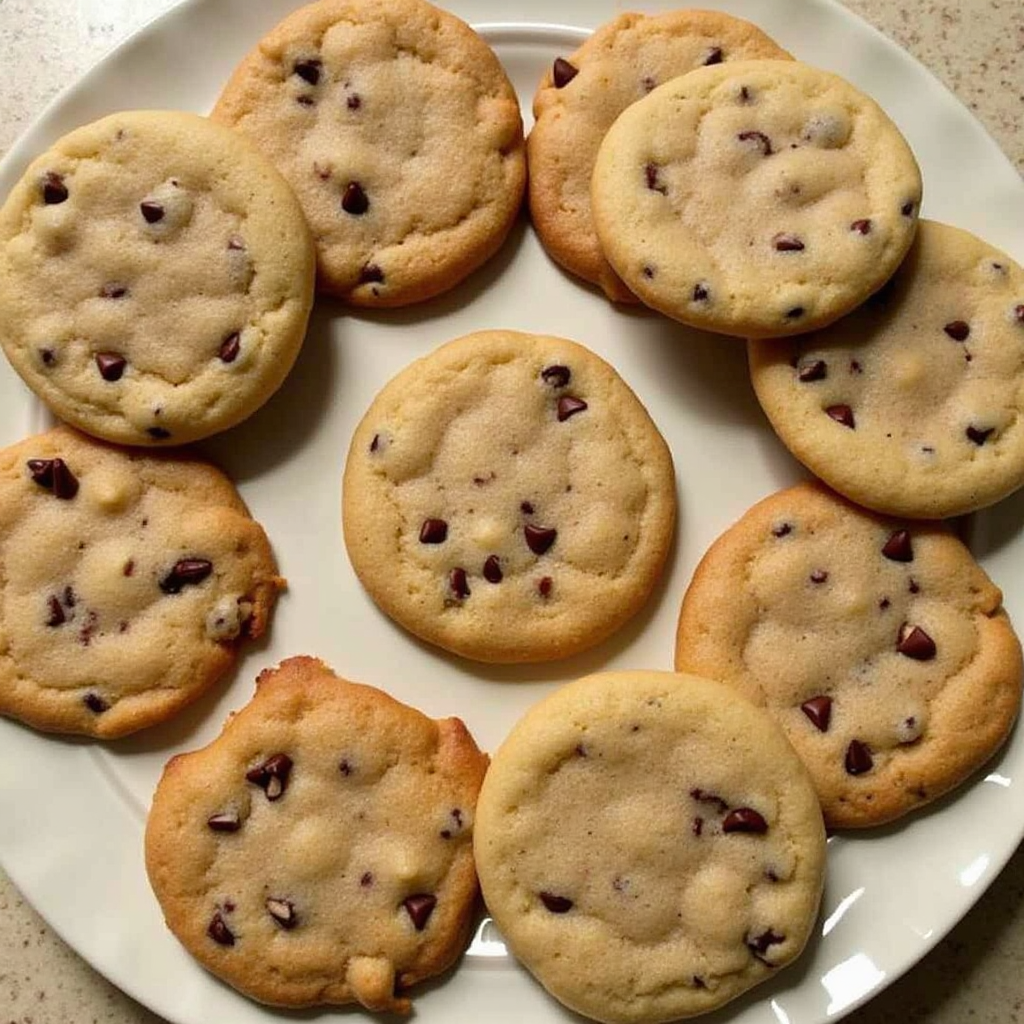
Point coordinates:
[[976, 47]]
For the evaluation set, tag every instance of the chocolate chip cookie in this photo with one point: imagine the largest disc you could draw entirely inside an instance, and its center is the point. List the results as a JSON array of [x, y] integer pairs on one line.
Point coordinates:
[[914, 404], [755, 198], [156, 277], [508, 498], [579, 98], [129, 581], [649, 845], [401, 135], [879, 645], [319, 851]]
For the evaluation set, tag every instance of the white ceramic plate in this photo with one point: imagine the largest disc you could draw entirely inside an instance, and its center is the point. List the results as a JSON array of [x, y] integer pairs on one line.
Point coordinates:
[[72, 813]]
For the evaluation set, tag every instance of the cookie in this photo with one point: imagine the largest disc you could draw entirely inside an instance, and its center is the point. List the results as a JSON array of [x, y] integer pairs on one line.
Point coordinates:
[[879, 645], [319, 851], [401, 135], [508, 498], [156, 277], [580, 97], [913, 405], [649, 845], [755, 198], [129, 581]]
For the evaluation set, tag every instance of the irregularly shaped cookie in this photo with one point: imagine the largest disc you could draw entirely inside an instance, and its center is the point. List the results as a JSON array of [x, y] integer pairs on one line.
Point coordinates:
[[755, 198], [129, 580], [320, 849], [156, 276], [914, 404], [399, 132], [649, 845], [508, 498], [879, 645], [580, 97]]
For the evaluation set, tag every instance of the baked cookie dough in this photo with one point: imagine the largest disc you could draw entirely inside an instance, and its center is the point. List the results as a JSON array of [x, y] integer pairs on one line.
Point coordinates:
[[156, 277], [129, 580], [580, 97], [880, 646], [508, 498], [401, 135], [755, 198], [319, 851], [912, 405], [649, 845]]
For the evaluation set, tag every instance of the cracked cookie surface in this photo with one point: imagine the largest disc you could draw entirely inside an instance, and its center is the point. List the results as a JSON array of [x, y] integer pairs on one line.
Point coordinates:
[[755, 198], [129, 580], [401, 135], [508, 498], [649, 845], [911, 405], [156, 277], [319, 851], [880, 646], [581, 95]]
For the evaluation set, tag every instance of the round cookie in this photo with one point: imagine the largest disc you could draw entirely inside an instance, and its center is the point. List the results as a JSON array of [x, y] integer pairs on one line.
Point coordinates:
[[156, 277], [508, 498], [401, 135], [649, 845], [319, 851], [129, 580], [580, 97], [755, 198], [880, 647], [913, 405]]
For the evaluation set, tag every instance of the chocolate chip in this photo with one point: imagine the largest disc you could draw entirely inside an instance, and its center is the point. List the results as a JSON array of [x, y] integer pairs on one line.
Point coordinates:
[[219, 931], [272, 775], [819, 711], [305, 101], [544, 586], [433, 531], [898, 547], [53, 474], [858, 758], [787, 243], [186, 572], [913, 586], [842, 414], [48, 356], [151, 211], [226, 821], [862, 227], [958, 330], [569, 406], [366, 880], [556, 376], [698, 826], [419, 908], [700, 292], [371, 274], [744, 94], [158, 433], [1018, 313], [648, 272], [114, 290], [41, 471], [308, 70], [230, 347], [648, 83], [54, 189], [95, 703], [282, 911], [703, 797], [714, 56], [979, 436], [744, 819], [56, 617], [884, 603], [556, 904], [354, 200], [817, 370], [492, 569], [562, 72], [760, 138], [458, 583], [526, 507], [908, 208], [85, 634], [758, 944], [354, 102], [236, 243], [914, 642], [345, 767], [781, 530], [819, 576], [651, 175], [111, 365], [539, 538]]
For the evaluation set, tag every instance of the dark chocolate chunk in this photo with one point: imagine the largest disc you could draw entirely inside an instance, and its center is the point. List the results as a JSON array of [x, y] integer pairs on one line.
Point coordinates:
[[700, 292], [842, 414], [371, 274], [908, 208], [345, 767], [698, 826], [226, 821], [95, 703], [54, 189], [1018, 312], [539, 538], [219, 931], [914, 642], [65, 486], [653, 183], [760, 138], [305, 101], [354, 199], [152, 212], [282, 911], [459, 583], [419, 907], [158, 433], [272, 775], [898, 547], [492, 569], [745, 94], [186, 572], [230, 347], [433, 531], [795, 312], [714, 56], [366, 879], [556, 904], [819, 576], [858, 758], [819, 711], [648, 272], [782, 530], [236, 243], [114, 290], [308, 70], [862, 227], [758, 944], [354, 102], [556, 376], [544, 586], [958, 330], [818, 370], [48, 356], [979, 436], [744, 819], [56, 616], [569, 406], [526, 507], [784, 242], [111, 365], [562, 72]]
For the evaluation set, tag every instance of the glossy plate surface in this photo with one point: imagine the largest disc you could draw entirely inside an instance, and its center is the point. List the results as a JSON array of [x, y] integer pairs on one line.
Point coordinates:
[[72, 813]]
